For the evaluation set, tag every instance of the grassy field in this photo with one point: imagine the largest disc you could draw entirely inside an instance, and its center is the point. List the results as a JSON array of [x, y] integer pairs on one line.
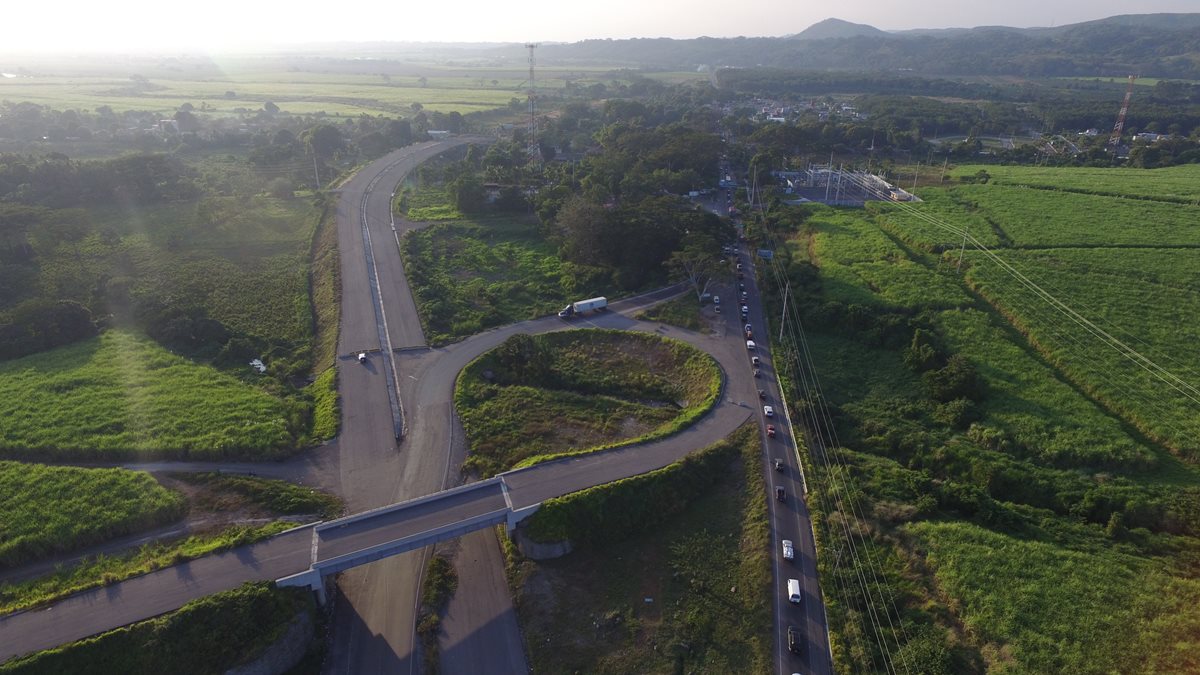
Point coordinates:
[[1029, 527], [1157, 319], [1031, 218], [471, 275], [209, 635], [335, 86], [1177, 183], [121, 395], [588, 612], [50, 509], [576, 391]]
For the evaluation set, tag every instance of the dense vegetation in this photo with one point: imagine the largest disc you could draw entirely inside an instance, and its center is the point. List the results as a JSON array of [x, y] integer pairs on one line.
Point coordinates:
[[995, 478], [576, 391], [208, 635], [50, 509], [700, 554], [277, 496]]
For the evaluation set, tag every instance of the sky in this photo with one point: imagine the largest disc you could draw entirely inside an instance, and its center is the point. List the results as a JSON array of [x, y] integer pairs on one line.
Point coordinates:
[[234, 25]]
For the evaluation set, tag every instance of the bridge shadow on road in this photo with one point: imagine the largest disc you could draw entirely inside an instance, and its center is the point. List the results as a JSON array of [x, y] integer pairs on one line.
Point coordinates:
[[356, 648]]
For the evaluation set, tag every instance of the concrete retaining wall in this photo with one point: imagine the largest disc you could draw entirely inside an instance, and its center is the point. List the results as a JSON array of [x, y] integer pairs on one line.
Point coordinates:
[[537, 550]]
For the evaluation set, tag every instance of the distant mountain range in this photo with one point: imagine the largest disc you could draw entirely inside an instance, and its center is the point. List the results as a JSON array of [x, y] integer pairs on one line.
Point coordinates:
[[1150, 45]]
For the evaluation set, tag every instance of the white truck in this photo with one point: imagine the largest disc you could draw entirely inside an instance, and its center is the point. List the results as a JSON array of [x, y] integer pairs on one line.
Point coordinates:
[[592, 305]]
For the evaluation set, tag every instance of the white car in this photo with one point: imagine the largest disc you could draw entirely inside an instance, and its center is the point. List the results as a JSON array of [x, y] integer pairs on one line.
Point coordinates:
[[768, 411], [362, 357], [789, 551], [716, 299], [750, 345]]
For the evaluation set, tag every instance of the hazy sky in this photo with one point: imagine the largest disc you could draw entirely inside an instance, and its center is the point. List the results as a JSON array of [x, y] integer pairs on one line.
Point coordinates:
[[214, 25]]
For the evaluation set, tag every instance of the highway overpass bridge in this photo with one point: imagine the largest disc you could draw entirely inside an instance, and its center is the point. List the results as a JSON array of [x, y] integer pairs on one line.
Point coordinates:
[[341, 544]]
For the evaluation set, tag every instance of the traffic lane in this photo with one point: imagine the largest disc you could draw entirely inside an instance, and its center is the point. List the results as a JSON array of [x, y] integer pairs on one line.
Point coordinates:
[[480, 632], [398, 304], [149, 595], [390, 526], [554, 479], [791, 520]]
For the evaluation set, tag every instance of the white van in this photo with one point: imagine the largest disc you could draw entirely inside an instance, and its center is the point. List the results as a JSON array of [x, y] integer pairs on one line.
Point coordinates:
[[794, 591]]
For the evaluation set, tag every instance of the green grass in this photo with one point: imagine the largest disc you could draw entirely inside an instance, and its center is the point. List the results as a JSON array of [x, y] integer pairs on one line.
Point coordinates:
[[1177, 183], [683, 311], [50, 509], [705, 567], [103, 570], [472, 275], [325, 289], [209, 635], [326, 405], [860, 264], [426, 204], [120, 395], [579, 391], [1040, 607]]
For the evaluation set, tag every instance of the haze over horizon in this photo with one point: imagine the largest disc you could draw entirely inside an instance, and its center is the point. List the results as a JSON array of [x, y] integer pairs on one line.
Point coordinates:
[[224, 25]]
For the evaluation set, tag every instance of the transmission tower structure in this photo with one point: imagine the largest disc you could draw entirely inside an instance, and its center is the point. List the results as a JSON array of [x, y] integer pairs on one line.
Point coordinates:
[[1115, 139], [533, 149]]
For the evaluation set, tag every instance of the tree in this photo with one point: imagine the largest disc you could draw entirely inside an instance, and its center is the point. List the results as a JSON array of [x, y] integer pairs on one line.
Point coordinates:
[[324, 140], [270, 107], [696, 262], [466, 192]]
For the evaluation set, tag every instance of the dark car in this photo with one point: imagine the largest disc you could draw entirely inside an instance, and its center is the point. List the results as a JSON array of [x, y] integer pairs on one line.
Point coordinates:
[[795, 645], [779, 465], [780, 494]]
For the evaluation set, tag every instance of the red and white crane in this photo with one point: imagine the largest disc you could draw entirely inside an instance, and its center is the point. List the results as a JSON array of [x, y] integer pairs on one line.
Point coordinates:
[[1115, 139]]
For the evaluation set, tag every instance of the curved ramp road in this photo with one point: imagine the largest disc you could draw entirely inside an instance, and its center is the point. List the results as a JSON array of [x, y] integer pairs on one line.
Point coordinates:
[[406, 389]]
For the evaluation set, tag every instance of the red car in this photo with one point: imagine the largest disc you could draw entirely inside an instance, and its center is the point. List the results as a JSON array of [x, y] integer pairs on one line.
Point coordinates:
[[771, 431]]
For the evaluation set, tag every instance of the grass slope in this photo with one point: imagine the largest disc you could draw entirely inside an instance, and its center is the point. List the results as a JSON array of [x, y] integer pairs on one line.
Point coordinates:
[[705, 567], [51, 509], [1176, 183], [120, 394]]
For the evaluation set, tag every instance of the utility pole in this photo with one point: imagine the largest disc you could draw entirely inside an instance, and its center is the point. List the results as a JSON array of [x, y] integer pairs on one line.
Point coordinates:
[[316, 174], [783, 317], [962, 250], [533, 146], [945, 166]]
